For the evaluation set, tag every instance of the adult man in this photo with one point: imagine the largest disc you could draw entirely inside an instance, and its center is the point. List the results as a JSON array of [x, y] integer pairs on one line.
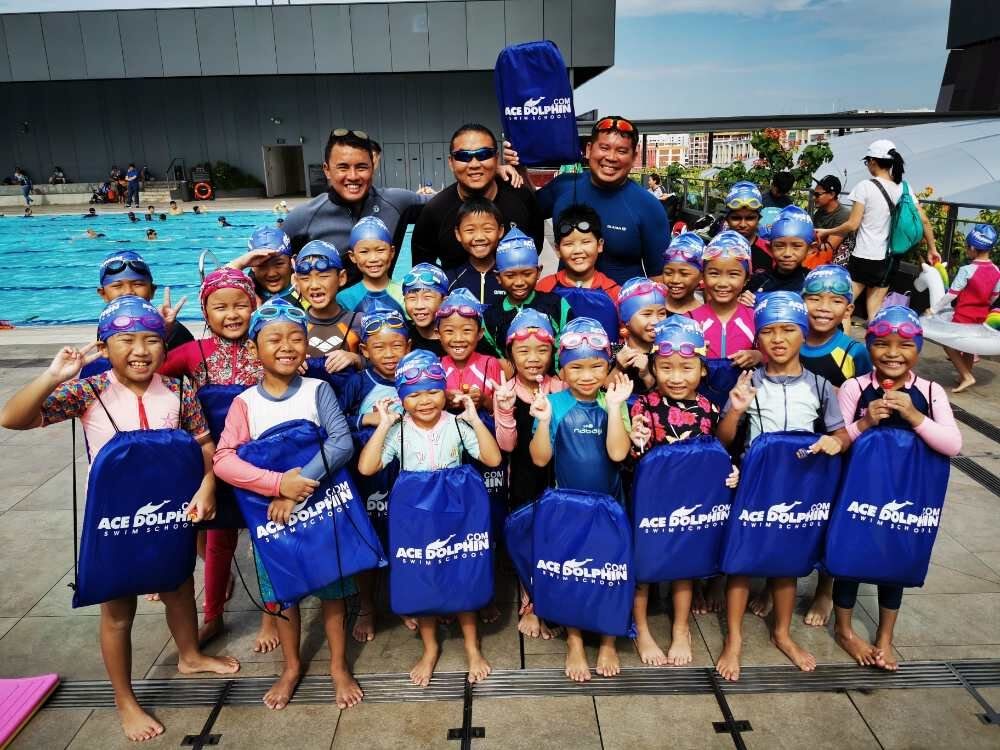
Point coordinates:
[[635, 225], [473, 160], [24, 182], [830, 212], [781, 185], [132, 180]]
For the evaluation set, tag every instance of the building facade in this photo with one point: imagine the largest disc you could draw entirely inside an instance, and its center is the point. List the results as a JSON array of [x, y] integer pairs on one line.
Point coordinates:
[[970, 82]]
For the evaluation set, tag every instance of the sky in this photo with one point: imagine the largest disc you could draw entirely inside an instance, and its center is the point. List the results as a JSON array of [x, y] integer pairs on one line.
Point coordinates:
[[693, 58]]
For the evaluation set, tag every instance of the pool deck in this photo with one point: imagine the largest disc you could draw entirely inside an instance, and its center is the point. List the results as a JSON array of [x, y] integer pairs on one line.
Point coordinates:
[[956, 615]]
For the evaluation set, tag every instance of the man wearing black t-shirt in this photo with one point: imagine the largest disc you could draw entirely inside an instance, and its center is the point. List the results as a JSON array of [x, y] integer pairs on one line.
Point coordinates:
[[474, 160]]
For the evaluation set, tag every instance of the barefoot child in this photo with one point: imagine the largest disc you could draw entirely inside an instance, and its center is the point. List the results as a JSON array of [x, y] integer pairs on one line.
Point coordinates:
[[460, 324], [974, 290], [779, 395], [682, 273], [584, 433], [434, 440], [371, 250], [894, 396], [278, 334], [642, 304], [672, 411], [424, 288], [479, 225], [530, 346], [129, 396]]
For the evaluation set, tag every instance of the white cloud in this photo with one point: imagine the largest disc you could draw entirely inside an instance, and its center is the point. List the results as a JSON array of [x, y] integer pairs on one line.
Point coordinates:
[[740, 7]]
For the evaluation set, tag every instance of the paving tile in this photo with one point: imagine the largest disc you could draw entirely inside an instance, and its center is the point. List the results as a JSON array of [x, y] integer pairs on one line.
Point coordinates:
[[103, 729], [975, 528], [949, 553], [6, 623], [636, 722], [247, 669], [12, 494], [926, 718], [30, 570], [38, 526], [516, 723], [51, 728], [58, 602], [947, 619], [945, 653], [28, 462], [391, 726], [821, 720], [56, 493], [990, 559]]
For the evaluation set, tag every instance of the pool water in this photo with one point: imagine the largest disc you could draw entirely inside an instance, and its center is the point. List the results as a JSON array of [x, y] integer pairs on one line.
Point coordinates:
[[50, 267]]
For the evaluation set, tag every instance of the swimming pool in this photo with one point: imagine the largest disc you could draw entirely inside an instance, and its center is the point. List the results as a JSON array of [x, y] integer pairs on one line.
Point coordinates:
[[50, 266]]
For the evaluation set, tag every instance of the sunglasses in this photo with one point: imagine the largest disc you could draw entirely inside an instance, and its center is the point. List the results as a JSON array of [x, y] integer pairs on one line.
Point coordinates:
[[388, 320], [883, 328], [526, 333], [614, 123], [423, 277], [753, 203], [818, 193], [294, 314], [666, 348], [466, 311], [315, 263], [125, 322], [567, 226], [116, 266], [592, 340], [341, 132], [464, 155], [433, 371], [817, 286]]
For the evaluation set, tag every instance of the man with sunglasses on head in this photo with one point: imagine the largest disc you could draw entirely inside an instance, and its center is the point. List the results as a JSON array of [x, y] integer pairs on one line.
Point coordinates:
[[830, 212], [474, 161], [635, 225]]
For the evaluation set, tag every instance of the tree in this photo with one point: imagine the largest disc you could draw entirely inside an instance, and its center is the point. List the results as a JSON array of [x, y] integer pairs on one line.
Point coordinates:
[[773, 157]]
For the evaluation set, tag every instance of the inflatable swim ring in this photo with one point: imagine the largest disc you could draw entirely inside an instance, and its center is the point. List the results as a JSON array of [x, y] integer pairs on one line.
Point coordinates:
[[966, 337]]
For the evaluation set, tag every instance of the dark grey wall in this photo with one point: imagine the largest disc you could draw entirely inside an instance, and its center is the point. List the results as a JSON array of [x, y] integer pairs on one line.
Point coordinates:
[[86, 126]]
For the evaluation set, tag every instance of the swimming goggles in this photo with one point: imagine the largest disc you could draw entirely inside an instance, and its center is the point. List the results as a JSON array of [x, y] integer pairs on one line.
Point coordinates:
[[390, 319], [526, 333], [614, 123], [315, 263], [270, 312], [422, 277], [734, 251], [566, 227], [642, 288], [465, 155], [126, 322], [883, 328], [836, 286], [666, 348], [573, 340], [679, 253], [466, 311], [117, 265], [741, 201], [341, 132], [433, 371]]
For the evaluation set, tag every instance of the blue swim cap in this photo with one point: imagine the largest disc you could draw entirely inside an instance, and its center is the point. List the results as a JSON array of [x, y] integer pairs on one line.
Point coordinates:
[[780, 307], [583, 338], [126, 265], [793, 222], [982, 237], [419, 371], [270, 238], [383, 318], [516, 250], [275, 310], [531, 320], [744, 194], [130, 314], [426, 276], [730, 245], [686, 247], [767, 218], [370, 228], [462, 302], [676, 335], [896, 319], [830, 278], [637, 293], [320, 249]]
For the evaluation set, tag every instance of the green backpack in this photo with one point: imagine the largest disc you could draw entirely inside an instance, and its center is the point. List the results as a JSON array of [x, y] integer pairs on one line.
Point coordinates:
[[906, 229]]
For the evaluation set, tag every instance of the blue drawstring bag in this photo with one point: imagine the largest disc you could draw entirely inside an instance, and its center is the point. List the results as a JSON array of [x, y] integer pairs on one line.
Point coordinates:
[[679, 531], [721, 379], [592, 303], [215, 402], [886, 518], [497, 482], [518, 537], [329, 536], [536, 103], [779, 517], [136, 537], [376, 488], [582, 562], [316, 368], [439, 542]]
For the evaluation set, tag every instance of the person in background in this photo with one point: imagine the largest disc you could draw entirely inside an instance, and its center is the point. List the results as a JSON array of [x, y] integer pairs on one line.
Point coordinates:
[[176, 210], [58, 177], [132, 183], [830, 212], [427, 189], [743, 206], [778, 194], [222, 222], [24, 181], [654, 186], [151, 234]]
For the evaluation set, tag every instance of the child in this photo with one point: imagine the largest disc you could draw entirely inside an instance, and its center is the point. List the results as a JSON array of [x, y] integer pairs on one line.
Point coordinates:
[[131, 335], [460, 324], [894, 339], [642, 304], [424, 288], [791, 235], [673, 411], [584, 432], [974, 289], [371, 250], [479, 226], [530, 346], [319, 274], [269, 259], [828, 351], [682, 273], [726, 323], [434, 440], [517, 268], [579, 241], [780, 395], [743, 207], [278, 334]]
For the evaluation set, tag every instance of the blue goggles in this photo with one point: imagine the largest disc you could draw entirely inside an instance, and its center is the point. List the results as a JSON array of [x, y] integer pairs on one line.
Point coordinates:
[[316, 263], [276, 311], [829, 279]]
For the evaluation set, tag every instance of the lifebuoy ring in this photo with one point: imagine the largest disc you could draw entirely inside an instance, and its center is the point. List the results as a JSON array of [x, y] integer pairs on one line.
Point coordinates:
[[202, 191]]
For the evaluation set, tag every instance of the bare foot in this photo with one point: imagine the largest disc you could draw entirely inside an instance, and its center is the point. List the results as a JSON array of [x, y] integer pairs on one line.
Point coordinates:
[[963, 384], [577, 668], [715, 594], [489, 613], [206, 663], [479, 668], [530, 625], [267, 637], [728, 665], [364, 627], [347, 693], [886, 657], [608, 663], [699, 605], [210, 630], [795, 653], [819, 611], [282, 690], [137, 725], [410, 623], [761, 604], [423, 670], [679, 653], [649, 650], [864, 653], [152, 597]]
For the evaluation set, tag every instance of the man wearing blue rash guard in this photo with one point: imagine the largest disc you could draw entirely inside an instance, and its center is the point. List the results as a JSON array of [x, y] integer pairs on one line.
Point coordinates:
[[635, 226]]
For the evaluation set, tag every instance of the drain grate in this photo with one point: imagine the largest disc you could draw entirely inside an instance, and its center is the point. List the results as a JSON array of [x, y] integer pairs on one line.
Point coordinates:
[[979, 424], [978, 472], [545, 683]]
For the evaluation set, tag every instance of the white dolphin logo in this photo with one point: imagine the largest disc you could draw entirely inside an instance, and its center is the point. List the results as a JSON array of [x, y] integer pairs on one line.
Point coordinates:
[[377, 496], [148, 508], [577, 563], [533, 102], [440, 543], [894, 506], [682, 511], [783, 508]]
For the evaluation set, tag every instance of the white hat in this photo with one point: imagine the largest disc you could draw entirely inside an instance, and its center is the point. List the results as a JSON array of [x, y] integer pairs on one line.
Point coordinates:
[[880, 149]]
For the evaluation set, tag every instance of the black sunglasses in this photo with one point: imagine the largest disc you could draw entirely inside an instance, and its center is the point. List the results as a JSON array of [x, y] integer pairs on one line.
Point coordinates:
[[341, 132], [464, 155]]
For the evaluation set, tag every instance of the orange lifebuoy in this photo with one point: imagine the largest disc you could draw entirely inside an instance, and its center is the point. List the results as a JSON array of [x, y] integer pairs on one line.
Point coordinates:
[[202, 191], [112, 195]]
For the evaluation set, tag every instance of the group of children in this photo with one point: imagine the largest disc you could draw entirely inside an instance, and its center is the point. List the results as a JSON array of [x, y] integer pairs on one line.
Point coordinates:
[[565, 380]]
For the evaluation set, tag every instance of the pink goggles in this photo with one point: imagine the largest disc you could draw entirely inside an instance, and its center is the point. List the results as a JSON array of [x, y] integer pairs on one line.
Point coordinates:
[[882, 328]]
